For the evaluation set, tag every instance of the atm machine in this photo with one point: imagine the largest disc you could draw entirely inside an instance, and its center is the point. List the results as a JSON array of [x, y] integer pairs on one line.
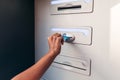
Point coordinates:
[[91, 35]]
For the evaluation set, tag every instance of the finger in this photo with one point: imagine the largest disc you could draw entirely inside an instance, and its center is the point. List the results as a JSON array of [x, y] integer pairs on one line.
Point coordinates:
[[58, 40], [54, 40], [62, 41], [50, 41], [57, 34], [54, 34]]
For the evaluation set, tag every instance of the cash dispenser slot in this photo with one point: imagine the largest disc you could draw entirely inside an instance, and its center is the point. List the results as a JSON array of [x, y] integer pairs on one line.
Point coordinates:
[[79, 66], [69, 7]]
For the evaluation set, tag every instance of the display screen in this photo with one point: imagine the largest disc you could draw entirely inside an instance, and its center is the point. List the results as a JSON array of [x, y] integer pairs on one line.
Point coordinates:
[[62, 1]]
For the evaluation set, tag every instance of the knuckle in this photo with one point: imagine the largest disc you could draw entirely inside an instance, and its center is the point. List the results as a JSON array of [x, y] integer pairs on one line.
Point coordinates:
[[48, 38]]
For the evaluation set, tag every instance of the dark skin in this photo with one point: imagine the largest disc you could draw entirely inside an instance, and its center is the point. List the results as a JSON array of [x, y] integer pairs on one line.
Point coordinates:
[[36, 71]]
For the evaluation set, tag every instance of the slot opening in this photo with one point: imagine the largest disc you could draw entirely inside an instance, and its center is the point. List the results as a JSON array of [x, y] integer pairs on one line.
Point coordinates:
[[69, 65], [69, 7]]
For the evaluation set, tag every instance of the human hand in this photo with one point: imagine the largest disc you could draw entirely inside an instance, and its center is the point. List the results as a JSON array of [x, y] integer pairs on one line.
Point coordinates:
[[55, 41]]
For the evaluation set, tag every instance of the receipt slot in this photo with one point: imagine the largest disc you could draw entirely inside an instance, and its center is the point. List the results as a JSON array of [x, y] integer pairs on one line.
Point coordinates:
[[71, 6], [80, 66]]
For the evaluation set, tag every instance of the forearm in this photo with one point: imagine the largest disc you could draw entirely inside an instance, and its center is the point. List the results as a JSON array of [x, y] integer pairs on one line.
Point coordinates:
[[36, 71]]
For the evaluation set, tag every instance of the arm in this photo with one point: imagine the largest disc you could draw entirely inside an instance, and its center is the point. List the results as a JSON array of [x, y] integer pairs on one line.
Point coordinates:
[[36, 71]]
